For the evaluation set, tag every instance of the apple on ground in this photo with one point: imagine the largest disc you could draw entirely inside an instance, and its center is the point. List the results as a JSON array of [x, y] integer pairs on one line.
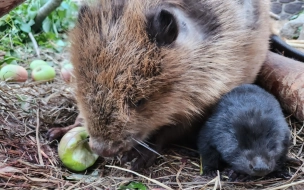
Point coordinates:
[[36, 63], [66, 72], [13, 73], [74, 150], [43, 73]]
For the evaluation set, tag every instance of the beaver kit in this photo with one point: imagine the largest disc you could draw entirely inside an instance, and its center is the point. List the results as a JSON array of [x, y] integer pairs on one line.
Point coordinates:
[[149, 70], [247, 131]]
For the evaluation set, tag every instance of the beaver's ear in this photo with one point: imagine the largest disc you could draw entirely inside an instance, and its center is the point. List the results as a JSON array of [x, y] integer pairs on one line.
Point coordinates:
[[162, 27]]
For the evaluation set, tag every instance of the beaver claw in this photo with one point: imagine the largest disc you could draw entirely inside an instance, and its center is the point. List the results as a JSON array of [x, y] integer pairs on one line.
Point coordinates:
[[280, 174], [58, 132], [144, 158], [237, 177], [210, 172], [55, 133]]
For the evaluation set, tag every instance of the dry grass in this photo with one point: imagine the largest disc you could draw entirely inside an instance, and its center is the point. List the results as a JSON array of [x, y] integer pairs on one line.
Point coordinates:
[[29, 161]]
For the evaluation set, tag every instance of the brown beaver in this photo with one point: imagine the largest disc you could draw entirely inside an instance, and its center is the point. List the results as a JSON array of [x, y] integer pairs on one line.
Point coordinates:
[[148, 69]]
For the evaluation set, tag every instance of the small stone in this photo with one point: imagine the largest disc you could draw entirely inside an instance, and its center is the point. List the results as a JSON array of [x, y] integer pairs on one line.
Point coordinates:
[[293, 8], [276, 8], [286, 1], [285, 16]]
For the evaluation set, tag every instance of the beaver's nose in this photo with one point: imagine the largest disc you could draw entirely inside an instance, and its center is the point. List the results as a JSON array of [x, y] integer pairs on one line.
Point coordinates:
[[108, 153], [101, 150]]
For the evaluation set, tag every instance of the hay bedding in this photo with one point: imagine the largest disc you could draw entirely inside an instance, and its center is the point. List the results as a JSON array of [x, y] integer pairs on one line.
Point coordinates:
[[29, 161]]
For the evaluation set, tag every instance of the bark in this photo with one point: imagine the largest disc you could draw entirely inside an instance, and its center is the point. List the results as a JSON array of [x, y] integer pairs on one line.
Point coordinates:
[[7, 5], [44, 11], [284, 78]]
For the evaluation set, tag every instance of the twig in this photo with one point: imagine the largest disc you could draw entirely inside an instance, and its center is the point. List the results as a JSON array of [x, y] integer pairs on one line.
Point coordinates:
[[219, 179], [27, 164], [295, 174], [295, 41], [38, 141], [216, 183], [286, 186], [177, 175], [44, 11], [296, 45], [34, 44], [42, 180], [149, 179], [76, 184], [274, 16], [210, 182]]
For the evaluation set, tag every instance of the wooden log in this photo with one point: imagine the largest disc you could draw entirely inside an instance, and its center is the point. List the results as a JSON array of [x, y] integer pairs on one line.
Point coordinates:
[[7, 5], [284, 78]]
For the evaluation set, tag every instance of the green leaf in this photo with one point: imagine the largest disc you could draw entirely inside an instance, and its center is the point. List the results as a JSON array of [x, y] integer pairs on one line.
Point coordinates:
[[65, 5], [32, 14], [9, 59], [134, 185], [47, 25], [31, 22], [25, 28]]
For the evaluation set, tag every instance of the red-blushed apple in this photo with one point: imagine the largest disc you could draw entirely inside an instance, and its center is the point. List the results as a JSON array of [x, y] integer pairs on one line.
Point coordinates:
[[13, 73], [66, 72]]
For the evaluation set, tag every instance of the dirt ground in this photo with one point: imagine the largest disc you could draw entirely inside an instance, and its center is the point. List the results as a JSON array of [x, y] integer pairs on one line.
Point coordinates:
[[29, 161]]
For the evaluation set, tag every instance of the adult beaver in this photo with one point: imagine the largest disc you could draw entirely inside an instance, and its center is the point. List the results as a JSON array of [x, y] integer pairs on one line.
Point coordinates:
[[149, 69]]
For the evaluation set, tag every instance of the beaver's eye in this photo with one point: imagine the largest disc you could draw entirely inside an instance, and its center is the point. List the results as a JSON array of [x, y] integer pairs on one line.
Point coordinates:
[[140, 102], [136, 104]]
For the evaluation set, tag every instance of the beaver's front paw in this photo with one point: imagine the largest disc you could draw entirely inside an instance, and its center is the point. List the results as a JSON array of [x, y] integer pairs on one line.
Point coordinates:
[[56, 133], [210, 172], [144, 158], [237, 177], [280, 174]]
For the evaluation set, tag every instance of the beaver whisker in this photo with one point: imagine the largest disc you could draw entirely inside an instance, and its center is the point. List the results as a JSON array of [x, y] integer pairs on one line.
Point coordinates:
[[147, 146], [137, 151], [148, 142]]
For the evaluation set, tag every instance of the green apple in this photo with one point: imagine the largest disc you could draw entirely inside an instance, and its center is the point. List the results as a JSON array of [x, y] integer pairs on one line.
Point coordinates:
[[13, 73], [43, 73], [74, 150], [36, 63], [66, 72]]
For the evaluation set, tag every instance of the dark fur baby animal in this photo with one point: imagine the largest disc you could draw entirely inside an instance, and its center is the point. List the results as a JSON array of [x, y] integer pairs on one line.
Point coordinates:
[[148, 70], [247, 131]]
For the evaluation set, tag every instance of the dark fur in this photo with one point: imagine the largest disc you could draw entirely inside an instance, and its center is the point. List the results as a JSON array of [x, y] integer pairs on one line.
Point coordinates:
[[247, 131]]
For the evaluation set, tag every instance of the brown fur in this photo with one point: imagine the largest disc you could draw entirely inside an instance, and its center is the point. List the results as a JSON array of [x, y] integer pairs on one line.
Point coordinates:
[[116, 65]]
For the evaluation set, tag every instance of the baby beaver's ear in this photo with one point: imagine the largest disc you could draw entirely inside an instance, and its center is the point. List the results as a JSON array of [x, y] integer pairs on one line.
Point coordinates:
[[162, 27]]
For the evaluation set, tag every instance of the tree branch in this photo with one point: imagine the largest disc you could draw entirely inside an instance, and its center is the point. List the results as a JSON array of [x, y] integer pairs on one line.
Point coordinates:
[[43, 12]]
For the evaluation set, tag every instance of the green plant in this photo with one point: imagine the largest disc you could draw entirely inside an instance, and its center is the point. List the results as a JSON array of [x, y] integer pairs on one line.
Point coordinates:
[[133, 186], [16, 26], [300, 28]]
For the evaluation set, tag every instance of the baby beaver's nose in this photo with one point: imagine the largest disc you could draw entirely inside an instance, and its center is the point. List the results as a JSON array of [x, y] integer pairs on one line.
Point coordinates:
[[259, 167]]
